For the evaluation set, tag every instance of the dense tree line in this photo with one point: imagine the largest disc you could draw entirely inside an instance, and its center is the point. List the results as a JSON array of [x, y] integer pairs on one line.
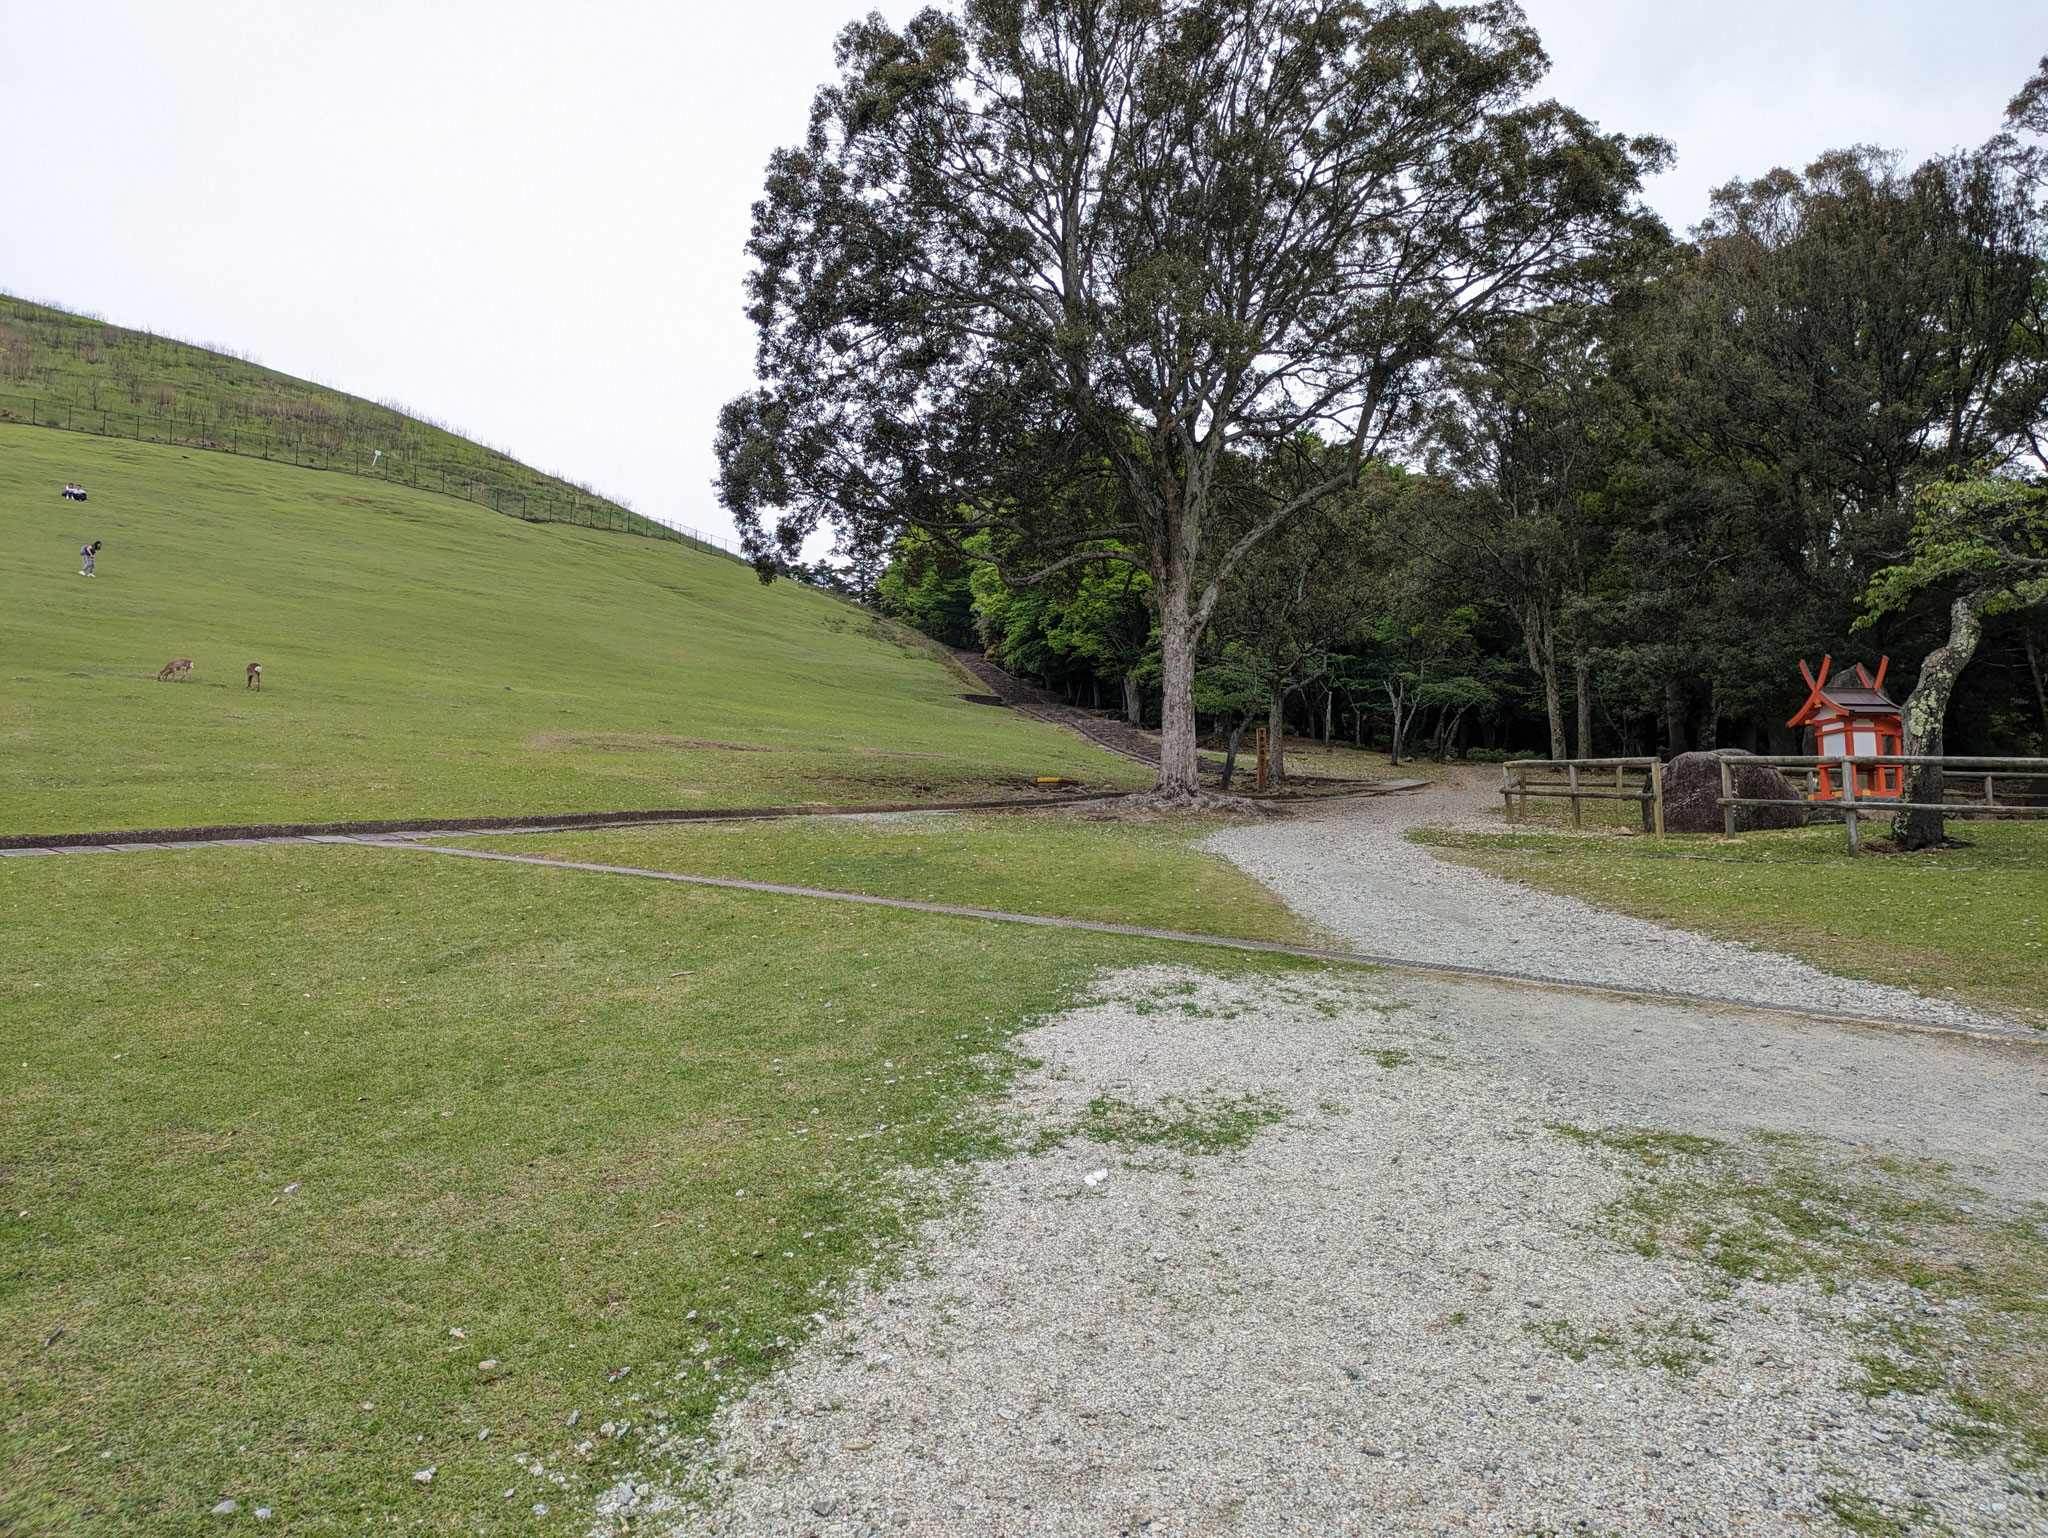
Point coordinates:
[[1293, 362]]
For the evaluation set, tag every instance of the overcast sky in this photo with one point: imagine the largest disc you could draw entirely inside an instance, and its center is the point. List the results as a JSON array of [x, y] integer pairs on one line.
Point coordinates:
[[527, 220]]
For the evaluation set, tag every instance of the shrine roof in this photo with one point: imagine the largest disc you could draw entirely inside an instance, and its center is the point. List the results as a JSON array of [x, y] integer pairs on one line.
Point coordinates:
[[1853, 694], [1858, 700]]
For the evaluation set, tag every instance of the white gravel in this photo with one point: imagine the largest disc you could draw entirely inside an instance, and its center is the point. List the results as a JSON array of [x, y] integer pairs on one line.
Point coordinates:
[[1270, 1341], [1340, 1329], [1350, 867]]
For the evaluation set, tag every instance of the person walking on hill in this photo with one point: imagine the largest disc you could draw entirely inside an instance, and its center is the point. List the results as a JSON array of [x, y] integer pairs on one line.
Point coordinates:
[[88, 552]]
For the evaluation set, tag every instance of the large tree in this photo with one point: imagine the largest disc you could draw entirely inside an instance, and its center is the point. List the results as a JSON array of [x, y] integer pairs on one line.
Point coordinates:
[[1833, 340], [1043, 268], [1984, 541], [1309, 589], [1527, 438]]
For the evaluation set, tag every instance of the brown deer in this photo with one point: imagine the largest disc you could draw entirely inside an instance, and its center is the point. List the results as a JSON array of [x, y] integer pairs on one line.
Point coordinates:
[[176, 668], [254, 678]]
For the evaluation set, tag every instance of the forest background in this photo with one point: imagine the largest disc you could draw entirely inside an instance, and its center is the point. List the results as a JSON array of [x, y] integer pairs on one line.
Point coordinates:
[[1615, 517]]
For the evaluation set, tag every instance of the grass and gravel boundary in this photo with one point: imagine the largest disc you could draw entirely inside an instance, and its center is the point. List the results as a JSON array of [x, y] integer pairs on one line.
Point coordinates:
[[1969, 924]]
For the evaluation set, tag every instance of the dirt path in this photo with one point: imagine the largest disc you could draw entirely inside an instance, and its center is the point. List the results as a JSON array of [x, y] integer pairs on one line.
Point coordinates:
[[1103, 729], [1350, 1255], [1397, 1307], [1350, 866]]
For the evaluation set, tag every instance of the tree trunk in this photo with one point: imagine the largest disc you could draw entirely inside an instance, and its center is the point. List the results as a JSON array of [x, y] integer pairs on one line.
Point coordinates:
[[1710, 724], [1674, 714], [1177, 776], [1926, 709], [1134, 701], [1582, 687], [1553, 702], [1395, 699], [1276, 734], [1230, 752], [1540, 637], [2040, 683]]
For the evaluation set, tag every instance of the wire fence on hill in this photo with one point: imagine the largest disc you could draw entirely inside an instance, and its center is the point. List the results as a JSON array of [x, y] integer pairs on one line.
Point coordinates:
[[314, 441]]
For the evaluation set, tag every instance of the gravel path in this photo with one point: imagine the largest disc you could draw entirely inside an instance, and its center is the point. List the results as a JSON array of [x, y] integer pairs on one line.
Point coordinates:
[[1399, 1306], [1340, 1327], [1350, 867]]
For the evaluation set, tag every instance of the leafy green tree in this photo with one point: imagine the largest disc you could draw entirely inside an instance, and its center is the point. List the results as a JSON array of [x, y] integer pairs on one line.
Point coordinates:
[[1985, 540], [1093, 621], [1831, 340], [1043, 268], [929, 587], [1530, 434], [1107, 623], [1232, 687], [1424, 658], [1310, 589]]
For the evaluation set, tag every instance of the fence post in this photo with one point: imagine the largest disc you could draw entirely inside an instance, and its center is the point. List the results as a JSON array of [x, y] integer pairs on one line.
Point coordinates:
[[1727, 793], [1572, 773], [1849, 798], [1657, 794], [1507, 789], [1262, 757]]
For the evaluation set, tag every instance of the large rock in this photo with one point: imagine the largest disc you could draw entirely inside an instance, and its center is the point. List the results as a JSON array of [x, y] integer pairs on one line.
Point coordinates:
[[1692, 792]]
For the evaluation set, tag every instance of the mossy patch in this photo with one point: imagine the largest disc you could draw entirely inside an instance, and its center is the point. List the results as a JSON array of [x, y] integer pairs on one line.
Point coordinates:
[[1209, 1124], [1860, 1514], [1680, 1347], [1948, 1286]]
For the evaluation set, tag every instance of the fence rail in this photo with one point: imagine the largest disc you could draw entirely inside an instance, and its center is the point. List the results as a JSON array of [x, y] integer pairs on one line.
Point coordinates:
[[1841, 786], [1575, 787], [1858, 772]]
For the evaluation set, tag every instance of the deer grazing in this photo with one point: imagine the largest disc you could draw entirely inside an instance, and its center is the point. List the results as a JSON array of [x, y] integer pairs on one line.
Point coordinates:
[[176, 668], [254, 677]]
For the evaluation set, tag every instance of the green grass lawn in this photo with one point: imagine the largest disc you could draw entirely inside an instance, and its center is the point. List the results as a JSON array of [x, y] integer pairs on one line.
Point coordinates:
[[70, 371], [1042, 864], [270, 1137], [425, 657], [1967, 923]]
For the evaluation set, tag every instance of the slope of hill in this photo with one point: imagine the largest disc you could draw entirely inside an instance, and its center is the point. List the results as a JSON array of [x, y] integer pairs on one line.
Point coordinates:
[[63, 370], [424, 657]]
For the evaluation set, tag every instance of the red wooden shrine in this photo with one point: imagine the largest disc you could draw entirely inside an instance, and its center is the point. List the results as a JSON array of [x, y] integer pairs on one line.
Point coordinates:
[[1853, 716]]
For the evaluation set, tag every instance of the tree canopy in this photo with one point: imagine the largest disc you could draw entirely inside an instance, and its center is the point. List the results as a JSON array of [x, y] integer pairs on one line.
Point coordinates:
[[1043, 268], [1282, 358]]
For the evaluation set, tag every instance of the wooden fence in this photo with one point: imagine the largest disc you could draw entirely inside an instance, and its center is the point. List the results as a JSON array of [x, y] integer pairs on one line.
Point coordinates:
[[1579, 780], [1842, 786], [1828, 787]]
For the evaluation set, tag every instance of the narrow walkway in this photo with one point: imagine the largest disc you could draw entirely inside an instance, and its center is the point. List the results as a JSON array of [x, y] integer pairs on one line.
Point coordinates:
[[15, 844], [1974, 1027], [1301, 866], [1350, 866], [1105, 731]]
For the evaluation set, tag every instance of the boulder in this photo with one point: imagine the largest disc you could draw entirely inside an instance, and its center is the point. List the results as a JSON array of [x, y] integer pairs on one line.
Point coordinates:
[[1692, 792]]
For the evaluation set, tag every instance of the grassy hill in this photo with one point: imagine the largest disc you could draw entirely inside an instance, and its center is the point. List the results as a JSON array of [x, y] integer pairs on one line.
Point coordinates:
[[425, 657], [70, 371]]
